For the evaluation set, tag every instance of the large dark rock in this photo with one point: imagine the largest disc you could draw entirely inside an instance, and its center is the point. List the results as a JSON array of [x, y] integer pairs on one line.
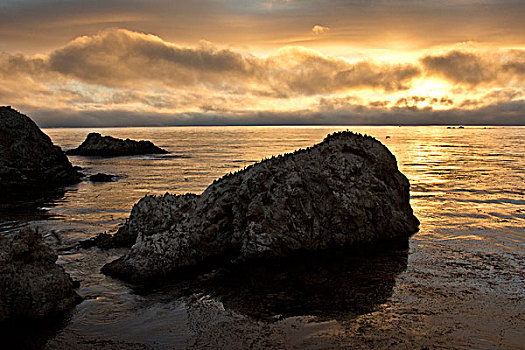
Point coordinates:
[[346, 190], [32, 285], [28, 158], [107, 146]]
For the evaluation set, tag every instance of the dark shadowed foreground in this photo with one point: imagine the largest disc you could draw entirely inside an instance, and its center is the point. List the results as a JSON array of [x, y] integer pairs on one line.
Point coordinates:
[[257, 305], [32, 285]]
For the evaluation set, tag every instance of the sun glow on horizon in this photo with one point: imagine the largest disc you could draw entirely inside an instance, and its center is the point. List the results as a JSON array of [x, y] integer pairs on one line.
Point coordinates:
[[264, 62]]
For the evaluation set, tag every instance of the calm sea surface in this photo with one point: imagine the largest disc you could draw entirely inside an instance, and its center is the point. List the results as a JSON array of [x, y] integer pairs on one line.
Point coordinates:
[[461, 284]]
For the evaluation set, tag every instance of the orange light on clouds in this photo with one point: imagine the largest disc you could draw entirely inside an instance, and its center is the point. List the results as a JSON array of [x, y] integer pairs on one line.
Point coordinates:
[[345, 62]]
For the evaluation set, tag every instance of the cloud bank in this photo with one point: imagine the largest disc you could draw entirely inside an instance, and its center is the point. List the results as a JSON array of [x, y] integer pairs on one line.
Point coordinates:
[[100, 79], [471, 69]]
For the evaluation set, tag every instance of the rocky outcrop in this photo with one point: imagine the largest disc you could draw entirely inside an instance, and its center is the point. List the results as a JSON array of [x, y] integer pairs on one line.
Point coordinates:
[[100, 177], [121, 239], [346, 190], [107, 146], [31, 284], [28, 158]]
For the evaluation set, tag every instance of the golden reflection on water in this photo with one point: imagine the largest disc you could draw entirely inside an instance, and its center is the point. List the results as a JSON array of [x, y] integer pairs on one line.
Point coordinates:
[[467, 189], [470, 178]]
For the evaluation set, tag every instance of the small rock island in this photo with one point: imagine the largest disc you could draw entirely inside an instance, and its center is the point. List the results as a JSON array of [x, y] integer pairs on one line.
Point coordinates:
[[344, 191], [100, 177], [28, 158], [107, 146]]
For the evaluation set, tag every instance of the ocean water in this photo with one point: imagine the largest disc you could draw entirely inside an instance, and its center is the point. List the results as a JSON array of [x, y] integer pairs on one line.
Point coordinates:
[[461, 283]]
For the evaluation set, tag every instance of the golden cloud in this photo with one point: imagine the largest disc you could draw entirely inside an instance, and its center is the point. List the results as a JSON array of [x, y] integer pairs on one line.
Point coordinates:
[[121, 58], [319, 29], [119, 69]]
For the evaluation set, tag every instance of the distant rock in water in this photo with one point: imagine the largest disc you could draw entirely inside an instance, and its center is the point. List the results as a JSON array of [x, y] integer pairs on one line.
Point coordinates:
[[28, 158], [346, 190], [100, 177], [107, 146], [32, 285]]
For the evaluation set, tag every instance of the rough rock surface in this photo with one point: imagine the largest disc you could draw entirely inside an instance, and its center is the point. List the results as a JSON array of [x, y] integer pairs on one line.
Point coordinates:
[[31, 284], [28, 157], [107, 146], [122, 239], [346, 190]]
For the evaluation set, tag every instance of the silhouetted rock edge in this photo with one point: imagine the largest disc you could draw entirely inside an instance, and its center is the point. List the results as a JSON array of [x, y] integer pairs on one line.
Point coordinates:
[[107, 146], [100, 177], [28, 158]]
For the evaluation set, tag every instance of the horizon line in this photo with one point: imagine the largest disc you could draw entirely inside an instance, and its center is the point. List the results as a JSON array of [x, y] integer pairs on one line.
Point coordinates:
[[273, 124]]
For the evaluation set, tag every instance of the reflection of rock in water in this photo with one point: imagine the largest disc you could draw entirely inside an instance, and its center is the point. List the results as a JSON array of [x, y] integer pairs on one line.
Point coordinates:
[[23, 200], [19, 208], [337, 284]]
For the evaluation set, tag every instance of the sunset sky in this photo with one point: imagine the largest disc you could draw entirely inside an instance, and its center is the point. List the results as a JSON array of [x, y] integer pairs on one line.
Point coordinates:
[[202, 62]]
